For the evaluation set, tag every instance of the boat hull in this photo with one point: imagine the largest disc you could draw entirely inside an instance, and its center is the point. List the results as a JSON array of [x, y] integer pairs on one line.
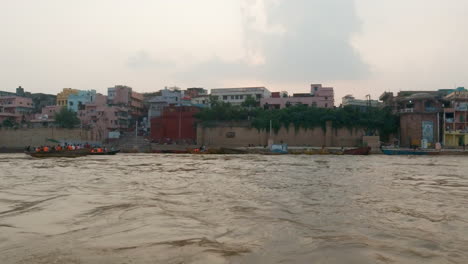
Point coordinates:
[[59, 154], [112, 152], [358, 151], [409, 152]]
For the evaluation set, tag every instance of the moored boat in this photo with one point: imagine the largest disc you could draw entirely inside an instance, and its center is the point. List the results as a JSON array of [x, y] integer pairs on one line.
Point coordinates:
[[110, 152], [59, 154], [358, 151], [279, 148], [410, 152]]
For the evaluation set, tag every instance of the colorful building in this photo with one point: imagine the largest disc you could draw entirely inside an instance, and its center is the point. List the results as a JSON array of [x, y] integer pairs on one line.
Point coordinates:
[[62, 97], [319, 97], [456, 119], [77, 101]]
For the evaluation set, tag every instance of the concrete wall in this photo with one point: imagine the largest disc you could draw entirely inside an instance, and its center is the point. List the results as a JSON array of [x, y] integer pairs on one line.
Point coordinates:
[[19, 138], [241, 135]]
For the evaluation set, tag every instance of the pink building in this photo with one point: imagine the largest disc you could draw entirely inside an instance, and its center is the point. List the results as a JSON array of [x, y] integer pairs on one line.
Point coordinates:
[[102, 119], [319, 97], [16, 108], [50, 110], [121, 95]]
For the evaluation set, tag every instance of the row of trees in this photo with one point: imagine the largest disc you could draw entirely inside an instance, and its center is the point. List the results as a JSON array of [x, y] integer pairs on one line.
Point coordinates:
[[373, 120]]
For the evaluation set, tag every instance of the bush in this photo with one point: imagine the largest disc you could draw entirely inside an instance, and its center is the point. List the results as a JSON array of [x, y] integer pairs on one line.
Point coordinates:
[[66, 118]]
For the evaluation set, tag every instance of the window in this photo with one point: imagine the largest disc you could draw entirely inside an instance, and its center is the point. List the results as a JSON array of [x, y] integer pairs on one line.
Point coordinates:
[[326, 97], [237, 97], [241, 96], [258, 96], [326, 104], [232, 97], [225, 97]]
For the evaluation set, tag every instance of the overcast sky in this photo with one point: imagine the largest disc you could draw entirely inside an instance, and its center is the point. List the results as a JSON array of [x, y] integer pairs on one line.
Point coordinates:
[[357, 46]]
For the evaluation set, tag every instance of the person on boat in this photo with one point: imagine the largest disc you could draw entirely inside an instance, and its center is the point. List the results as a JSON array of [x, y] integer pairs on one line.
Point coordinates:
[[28, 148]]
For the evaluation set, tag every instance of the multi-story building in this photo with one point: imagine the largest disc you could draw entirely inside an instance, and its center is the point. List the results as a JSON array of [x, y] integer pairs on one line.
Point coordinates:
[[166, 97], [200, 100], [456, 119], [123, 96], [5, 93], [319, 97], [237, 96], [420, 115], [195, 92], [102, 119], [349, 100], [62, 97], [16, 108], [77, 101]]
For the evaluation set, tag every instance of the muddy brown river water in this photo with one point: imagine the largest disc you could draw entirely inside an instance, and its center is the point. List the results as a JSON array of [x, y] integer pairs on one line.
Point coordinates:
[[141, 208]]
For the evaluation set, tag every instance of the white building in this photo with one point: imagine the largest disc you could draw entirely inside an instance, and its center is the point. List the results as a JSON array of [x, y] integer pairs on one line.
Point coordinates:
[[236, 96], [201, 100], [167, 97], [349, 100]]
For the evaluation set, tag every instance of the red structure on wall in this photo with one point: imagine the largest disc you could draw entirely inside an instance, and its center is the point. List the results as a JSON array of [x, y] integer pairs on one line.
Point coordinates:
[[176, 124]]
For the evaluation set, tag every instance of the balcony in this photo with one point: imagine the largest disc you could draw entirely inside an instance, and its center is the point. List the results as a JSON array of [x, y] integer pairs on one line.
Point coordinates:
[[406, 110], [456, 132]]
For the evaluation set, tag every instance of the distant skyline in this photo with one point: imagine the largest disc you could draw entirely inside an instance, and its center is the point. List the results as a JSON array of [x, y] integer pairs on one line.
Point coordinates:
[[358, 47]]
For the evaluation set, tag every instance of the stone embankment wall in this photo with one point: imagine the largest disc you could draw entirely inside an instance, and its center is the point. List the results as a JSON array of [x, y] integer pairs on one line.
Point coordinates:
[[19, 138], [241, 135]]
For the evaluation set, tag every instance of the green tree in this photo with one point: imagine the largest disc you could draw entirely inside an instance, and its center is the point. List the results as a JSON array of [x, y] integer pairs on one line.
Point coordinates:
[[67, 118], [250, 102], [9, 122]]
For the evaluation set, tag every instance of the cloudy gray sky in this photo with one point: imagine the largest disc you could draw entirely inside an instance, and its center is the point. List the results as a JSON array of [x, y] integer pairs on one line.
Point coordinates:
[[358, 46]]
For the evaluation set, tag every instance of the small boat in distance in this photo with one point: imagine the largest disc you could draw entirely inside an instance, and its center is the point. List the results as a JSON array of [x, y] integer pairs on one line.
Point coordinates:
[[410, 152], [279, 148]]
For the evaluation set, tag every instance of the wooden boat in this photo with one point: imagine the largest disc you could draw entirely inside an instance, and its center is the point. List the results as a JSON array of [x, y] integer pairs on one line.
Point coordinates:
[[357, 151], [410, 152], [110, 152], [60, 154]]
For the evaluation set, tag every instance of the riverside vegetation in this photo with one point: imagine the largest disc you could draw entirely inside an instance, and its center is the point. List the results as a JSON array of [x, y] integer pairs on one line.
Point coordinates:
[[373, 120]]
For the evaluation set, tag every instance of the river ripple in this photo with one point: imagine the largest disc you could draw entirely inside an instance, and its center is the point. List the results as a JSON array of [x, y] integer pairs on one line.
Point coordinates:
[[234, 209]]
